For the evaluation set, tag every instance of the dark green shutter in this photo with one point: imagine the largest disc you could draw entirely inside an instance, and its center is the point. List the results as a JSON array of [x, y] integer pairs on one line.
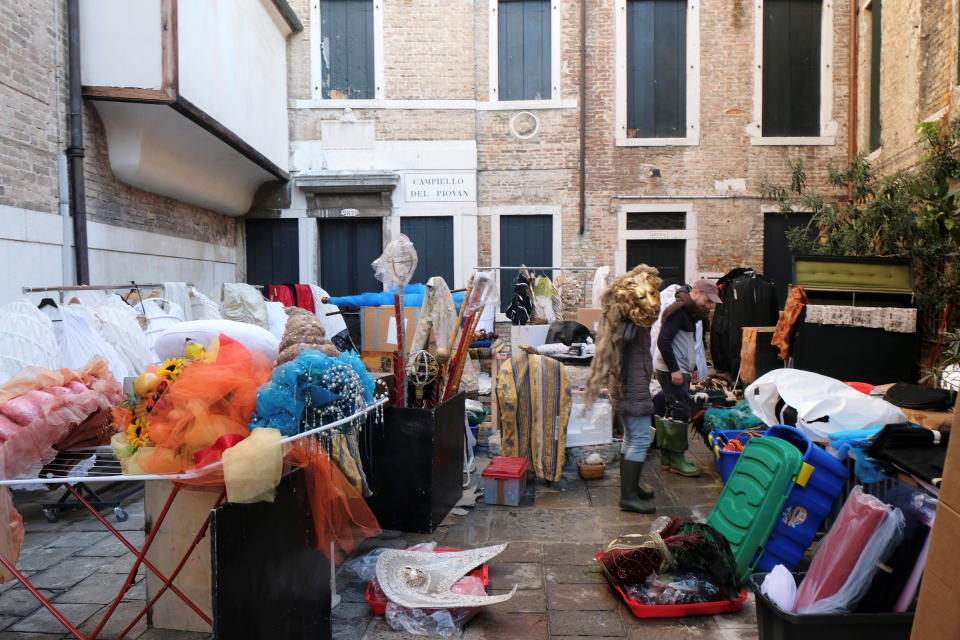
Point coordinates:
[[347, 247], [346, 31], [523, 50], [432, 237], [273, 251], [656, 68], [524, 240], [875, 49], [791, 67]]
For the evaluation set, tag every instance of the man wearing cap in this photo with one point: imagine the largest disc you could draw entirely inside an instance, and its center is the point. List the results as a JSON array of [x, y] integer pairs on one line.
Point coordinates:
[[676, 367]]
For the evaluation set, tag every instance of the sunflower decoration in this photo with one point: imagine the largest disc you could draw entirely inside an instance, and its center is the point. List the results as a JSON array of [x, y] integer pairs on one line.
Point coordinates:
[[138, 433], [171, 368]]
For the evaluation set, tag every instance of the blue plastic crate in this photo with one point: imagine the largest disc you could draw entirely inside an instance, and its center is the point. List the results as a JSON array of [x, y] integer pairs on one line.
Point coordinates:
[[725, 461], [817, 487]]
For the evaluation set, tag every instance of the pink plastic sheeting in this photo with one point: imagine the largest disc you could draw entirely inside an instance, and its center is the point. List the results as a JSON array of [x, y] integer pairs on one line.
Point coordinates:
[[864, 527]]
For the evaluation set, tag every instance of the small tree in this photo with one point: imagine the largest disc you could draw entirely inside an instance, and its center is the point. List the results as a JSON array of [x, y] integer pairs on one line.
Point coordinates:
[[913, 213]]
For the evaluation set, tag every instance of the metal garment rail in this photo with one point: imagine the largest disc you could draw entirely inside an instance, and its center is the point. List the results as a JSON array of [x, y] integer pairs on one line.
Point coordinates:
[[140, 554], [584, 269]]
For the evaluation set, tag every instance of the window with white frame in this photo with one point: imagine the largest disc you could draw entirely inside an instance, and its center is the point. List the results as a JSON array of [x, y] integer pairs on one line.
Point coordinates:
[[793, 75], [347, 50], [524, 50], [658, 77]]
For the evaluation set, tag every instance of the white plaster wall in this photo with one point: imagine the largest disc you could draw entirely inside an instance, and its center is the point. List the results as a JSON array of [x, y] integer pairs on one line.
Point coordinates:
[[30, 255], [232, 60], [30, 251], [154, 148], [392, 155], [120, 43]]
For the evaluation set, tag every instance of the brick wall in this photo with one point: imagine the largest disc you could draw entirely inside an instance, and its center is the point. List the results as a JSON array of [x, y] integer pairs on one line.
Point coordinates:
[[28, 118], [34, 131], [918, 75], [441, 52]]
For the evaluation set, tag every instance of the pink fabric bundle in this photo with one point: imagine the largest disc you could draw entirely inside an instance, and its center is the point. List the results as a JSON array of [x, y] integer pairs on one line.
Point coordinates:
[[33, 422], [39, 409], [840, 549]]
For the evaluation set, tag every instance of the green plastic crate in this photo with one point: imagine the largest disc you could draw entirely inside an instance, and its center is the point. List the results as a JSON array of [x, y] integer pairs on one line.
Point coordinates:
[[751, 500]]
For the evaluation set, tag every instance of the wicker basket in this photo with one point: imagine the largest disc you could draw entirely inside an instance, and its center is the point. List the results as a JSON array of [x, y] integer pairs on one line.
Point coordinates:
[[590, 471]]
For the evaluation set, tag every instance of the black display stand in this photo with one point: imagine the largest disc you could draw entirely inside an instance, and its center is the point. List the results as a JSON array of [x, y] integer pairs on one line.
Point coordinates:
[[269, 580], [857, 354], [414, 465]]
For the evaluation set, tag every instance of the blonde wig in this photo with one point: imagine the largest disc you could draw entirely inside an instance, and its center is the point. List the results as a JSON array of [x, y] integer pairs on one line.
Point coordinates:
[[634, 296]]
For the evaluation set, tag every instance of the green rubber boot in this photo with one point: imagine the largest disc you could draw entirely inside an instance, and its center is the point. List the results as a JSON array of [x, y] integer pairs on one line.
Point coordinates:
[[674, 437]]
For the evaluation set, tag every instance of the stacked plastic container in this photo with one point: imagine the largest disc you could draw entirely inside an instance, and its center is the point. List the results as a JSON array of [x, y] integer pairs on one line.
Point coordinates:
[[817, 487]]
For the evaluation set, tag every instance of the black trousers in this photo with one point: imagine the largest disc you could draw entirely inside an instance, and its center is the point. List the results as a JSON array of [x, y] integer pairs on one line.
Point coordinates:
[[679, 405]]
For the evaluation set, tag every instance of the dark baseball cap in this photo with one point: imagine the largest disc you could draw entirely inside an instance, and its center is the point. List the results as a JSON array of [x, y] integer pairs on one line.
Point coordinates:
[[710, 288]]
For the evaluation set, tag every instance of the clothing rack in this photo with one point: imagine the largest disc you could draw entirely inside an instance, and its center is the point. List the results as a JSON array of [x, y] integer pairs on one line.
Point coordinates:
[[534, 269], [95, 287]]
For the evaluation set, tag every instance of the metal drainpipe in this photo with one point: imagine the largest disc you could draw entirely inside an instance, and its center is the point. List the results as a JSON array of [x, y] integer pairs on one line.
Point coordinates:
[[583, 116], [75, 150], [852, 94]]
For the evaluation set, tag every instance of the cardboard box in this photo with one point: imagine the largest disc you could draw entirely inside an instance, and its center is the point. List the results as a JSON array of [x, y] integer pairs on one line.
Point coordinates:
[[378, 361], [590, 318], [378, 327], [938, 617]]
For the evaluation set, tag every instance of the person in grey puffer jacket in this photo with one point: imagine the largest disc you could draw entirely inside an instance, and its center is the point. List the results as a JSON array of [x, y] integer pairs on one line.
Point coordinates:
[[623, 362]]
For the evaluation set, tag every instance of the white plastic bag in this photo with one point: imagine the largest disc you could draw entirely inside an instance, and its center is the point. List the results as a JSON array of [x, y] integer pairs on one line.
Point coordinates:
[[79, 342], [116, 322], [202, 307], [27, 339], [243, 303], [780, 588], [172, 341], [160, 315], [816, 397], [277, 318]]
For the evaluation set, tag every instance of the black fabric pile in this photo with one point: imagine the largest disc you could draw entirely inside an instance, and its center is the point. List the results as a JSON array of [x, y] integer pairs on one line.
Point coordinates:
[[915, 450], [567, 332], [521, 303], [749, 300], [914, 396]]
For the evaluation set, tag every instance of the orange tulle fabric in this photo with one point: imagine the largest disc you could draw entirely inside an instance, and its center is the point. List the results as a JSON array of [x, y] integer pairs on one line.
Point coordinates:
[[208, 400], [340, 514]]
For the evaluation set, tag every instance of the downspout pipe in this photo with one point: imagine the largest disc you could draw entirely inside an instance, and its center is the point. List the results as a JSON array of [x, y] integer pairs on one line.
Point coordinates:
[[583, 116], [852, 94], [75, 152]]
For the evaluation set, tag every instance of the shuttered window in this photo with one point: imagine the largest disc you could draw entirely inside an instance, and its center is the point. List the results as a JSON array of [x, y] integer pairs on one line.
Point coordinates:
[[791, 67], [523, 50], [432, 237], [524, 241], [346, 32], [656, 68]]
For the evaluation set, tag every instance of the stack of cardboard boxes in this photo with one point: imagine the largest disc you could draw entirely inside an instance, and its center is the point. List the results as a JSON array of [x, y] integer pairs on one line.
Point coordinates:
[[938, 616]]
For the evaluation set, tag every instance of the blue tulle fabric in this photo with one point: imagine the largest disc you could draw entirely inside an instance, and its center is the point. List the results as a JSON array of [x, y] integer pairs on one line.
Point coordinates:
[[412, 297], [313, 387]]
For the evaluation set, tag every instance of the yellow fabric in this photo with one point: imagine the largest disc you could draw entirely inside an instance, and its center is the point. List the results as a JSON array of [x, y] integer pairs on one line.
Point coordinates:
[[533, 394], [346, 455], [252, 467]]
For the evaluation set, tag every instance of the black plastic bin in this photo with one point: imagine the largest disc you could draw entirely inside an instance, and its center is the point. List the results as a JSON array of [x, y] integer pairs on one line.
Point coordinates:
[[776, 624]]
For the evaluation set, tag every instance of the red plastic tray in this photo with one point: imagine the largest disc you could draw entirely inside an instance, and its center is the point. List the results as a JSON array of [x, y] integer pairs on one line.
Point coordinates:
[[378, 602], [641, 610]]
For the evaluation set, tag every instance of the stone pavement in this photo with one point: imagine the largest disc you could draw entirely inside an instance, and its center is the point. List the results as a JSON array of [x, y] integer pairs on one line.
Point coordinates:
[[553, 535]]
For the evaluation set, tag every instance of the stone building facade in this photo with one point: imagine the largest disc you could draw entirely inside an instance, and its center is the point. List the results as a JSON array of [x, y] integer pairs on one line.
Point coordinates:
[[426, 144], [150, 232], [916, 65], [435, 111]]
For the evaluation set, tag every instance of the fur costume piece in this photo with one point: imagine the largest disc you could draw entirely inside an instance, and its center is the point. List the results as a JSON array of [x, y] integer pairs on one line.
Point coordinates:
[[634, 296]]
